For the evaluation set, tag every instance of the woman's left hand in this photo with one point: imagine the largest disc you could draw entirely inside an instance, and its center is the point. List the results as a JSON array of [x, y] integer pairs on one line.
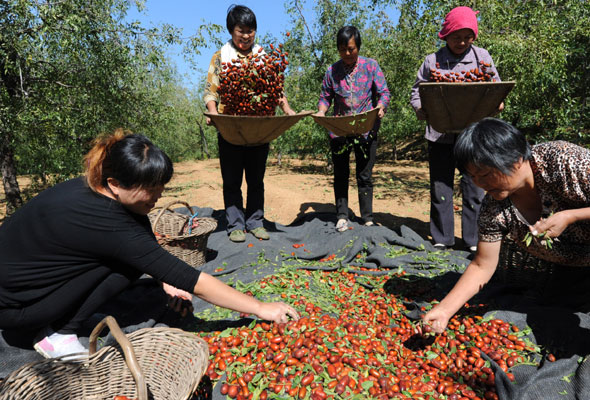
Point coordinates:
[[381, 111], [552, 226], [178, 300]]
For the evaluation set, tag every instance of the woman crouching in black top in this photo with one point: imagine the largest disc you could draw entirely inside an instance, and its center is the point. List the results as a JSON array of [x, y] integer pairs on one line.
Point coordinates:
[[81, 242]]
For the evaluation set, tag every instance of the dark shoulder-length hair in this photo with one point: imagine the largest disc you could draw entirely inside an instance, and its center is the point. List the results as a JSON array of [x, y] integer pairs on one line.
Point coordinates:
[[493, 143], [131, 159], [240, 15], [345, 34]]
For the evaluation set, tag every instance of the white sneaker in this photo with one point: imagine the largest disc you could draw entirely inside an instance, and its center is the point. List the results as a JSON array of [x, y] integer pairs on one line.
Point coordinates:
[[473, 249], [342, 225], [369, 223], [54, 344]]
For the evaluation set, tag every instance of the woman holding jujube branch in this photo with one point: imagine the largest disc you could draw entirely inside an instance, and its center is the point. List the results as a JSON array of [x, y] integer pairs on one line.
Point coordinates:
[[459, 59], [81, 242], [355, 84], [236, 161], [543, 191]]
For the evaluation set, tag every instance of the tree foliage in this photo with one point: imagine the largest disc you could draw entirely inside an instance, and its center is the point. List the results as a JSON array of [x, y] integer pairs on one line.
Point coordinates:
[[542, 45], [71, 69], [74, 68]]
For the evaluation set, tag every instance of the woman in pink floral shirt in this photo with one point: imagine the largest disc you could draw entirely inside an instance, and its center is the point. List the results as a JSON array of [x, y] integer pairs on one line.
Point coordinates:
[[543, 191], [355, 85]]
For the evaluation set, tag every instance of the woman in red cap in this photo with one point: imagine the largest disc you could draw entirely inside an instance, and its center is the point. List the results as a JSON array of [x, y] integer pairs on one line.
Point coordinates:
[[459, 56]]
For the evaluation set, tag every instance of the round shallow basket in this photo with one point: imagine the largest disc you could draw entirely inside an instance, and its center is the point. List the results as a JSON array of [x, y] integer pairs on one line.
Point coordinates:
[[246, 130], [348, 125], [150, 363], [452, 106], [171, 230], [516, 267]]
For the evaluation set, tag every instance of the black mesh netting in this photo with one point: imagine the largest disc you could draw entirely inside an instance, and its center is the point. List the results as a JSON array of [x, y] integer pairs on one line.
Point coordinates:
[[555, 306]]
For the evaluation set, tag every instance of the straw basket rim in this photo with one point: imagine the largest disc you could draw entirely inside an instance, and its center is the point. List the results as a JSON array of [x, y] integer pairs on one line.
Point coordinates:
[[254, 130], [348, 125], [206, 224]]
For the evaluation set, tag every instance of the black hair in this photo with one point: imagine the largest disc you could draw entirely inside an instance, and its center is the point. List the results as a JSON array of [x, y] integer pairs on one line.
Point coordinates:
[[493, 143], [131, 159], [240, 15], [345, 34]]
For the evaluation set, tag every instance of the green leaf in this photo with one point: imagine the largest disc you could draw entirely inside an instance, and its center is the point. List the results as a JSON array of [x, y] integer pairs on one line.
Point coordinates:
[[367, 385]]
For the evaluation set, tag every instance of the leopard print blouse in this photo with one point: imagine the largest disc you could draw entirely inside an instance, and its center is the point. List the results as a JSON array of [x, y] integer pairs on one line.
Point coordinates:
[[562, 176]]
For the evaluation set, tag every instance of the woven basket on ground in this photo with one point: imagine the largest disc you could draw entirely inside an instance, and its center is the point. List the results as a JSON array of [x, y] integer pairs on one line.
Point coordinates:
[[451, 107], [171, 230], [516, 267], [246, 130], [348, 125], [150, 363]]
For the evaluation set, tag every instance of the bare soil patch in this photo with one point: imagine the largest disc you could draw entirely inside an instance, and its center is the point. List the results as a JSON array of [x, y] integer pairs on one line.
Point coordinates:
[[296, 187]]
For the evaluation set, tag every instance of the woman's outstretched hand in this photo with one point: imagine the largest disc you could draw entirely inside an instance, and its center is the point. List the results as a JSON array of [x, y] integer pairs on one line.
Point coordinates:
[[277, 312], [437, 318]]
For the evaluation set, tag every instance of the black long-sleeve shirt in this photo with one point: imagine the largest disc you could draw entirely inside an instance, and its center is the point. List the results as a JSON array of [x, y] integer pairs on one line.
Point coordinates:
[[69, 229]]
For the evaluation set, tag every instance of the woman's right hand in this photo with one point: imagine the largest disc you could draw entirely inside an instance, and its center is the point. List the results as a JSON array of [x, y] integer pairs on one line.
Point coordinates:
[[278, 312], [211, 109], [437, 318], [208, 120], [320, 113]]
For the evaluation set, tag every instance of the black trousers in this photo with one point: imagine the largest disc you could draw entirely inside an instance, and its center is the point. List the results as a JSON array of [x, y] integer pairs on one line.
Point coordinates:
[[365, 153], [235, 161], [70, 305], [442, 173]]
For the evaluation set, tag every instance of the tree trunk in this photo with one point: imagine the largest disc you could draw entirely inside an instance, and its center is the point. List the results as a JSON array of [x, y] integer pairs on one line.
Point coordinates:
[[8, 170], [204, 147]]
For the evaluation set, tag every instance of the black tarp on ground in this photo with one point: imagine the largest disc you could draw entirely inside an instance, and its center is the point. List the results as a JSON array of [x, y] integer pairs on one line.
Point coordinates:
[[563, 326]]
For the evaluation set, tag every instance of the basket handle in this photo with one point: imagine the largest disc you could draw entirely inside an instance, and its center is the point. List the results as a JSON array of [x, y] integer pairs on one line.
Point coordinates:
[[128, 351], [166, 207]]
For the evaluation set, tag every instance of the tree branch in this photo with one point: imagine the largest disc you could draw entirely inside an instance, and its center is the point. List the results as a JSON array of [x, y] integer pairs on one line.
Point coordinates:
[[309, 33]]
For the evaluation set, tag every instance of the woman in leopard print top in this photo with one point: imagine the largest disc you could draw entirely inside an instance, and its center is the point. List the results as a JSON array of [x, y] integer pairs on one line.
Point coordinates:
[[543, 190]]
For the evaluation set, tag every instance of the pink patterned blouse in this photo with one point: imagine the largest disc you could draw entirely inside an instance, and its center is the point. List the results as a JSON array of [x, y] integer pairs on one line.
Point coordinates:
[[356, 91]]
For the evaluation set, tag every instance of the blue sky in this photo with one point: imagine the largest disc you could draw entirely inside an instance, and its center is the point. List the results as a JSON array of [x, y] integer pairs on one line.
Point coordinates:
[[271, 18]]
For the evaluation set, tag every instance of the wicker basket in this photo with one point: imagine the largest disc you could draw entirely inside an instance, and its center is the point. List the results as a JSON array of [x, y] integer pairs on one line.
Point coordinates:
[[170, 229], [150, 363], [348, 125], [451, 107], [245, 130], [516, 267]]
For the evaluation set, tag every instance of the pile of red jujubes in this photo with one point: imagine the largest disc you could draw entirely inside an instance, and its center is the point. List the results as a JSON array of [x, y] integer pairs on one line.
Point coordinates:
[[254, 85], [369, 350], [480, 74]]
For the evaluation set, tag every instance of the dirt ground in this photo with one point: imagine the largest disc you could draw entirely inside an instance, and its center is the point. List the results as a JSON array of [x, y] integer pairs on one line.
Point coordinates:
[[297, 187]]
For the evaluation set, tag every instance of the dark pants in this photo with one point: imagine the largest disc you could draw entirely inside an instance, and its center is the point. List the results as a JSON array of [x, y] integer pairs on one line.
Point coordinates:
[[234, 161], [442, 222], [365, 152], [66, 308]]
